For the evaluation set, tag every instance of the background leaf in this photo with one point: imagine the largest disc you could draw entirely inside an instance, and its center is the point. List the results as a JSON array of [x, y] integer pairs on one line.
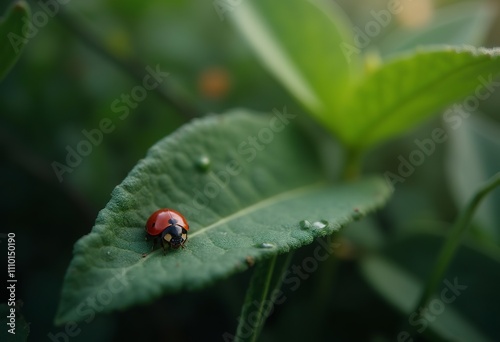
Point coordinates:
[[465, 23], [255, 213], [473, 149], [362, 111], [12, 40], [399, 273], [302, 47], [409, 89]]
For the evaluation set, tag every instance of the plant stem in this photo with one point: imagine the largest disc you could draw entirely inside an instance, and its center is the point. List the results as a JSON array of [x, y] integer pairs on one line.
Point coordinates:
[[352, 166], [451, 245], [21, 156], [131, 67], [261, 316], [266, 278]]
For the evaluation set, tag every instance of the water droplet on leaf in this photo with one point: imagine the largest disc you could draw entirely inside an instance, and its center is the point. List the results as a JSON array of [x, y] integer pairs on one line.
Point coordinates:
[[320, 224], [203, 163], [304, 224], [107, 255], [266, 245]]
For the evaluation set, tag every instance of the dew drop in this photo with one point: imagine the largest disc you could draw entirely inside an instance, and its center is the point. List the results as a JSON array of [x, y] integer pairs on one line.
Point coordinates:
[[304, 224], [203, 163], [266, 245], [107, 255], [320, 224]]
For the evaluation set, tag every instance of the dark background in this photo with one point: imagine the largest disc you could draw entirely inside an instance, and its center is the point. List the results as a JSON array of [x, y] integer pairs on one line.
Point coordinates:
[[62, 85]]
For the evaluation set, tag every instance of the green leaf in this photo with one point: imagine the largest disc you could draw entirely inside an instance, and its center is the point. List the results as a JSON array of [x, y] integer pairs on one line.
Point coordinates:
[[12, 40], [305, 44], [261, 296], [409, 89], [473, 149], [465, 23], [301, 42], [244, 181]]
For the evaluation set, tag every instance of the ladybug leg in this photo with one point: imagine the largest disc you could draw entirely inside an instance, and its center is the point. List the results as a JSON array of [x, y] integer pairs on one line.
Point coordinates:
[[185, 232], [152, 247], [163, 245]]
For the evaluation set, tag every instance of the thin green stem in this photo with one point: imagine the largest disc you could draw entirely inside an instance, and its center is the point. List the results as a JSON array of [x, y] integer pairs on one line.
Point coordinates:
[[130, 67], [259, 300], [452, 243], [352, 166], [260, 313], [258, 291], [21, 156]]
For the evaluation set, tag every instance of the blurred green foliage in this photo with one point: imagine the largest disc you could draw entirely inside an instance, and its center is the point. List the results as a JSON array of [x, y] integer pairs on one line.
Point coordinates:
[[62, 85]]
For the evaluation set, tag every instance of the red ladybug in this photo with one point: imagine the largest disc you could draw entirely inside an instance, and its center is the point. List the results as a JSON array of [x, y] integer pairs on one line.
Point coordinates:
[[169, 227]]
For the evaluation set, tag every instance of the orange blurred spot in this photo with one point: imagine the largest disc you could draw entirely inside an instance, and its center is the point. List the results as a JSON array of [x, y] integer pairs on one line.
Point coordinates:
[[344, 249], [214, 83], [416, 13]]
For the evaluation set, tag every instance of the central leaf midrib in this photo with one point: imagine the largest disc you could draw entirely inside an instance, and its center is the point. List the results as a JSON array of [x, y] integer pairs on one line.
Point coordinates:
[[258, 205], [244, 211]]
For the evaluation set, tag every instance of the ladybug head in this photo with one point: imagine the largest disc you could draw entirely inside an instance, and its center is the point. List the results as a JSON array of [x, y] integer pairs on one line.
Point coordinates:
[[175, 236]]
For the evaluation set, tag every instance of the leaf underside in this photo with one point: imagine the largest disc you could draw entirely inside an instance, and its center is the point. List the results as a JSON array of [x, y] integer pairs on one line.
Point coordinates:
[[243, 201]]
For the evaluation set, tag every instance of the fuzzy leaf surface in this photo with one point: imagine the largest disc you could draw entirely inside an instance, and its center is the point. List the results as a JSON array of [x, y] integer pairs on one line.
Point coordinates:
[[244, 201]]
